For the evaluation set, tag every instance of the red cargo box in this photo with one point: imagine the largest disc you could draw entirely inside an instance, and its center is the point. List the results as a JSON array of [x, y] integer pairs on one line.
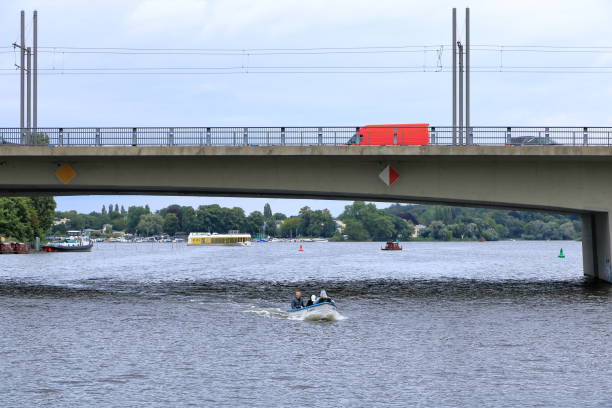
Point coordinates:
[[400, 134]]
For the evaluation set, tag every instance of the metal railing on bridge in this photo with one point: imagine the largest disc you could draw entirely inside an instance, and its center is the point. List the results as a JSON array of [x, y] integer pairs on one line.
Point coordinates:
[[417, 135]]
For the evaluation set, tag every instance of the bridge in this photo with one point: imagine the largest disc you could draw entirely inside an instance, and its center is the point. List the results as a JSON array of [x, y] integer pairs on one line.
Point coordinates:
[[570, 171], [306, 136]]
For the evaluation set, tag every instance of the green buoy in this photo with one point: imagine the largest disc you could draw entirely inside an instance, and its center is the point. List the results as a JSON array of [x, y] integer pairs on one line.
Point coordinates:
[[561, 254]]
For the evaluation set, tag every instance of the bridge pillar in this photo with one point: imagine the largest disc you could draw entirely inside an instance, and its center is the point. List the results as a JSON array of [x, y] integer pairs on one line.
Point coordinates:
[[596, 250]]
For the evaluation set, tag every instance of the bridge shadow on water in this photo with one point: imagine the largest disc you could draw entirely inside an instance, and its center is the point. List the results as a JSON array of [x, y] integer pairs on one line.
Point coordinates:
[[581, 288]]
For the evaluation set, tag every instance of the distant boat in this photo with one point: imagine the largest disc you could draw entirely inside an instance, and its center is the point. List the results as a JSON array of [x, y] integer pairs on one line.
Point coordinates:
[[204, 238], [71, 244], [392, 246]]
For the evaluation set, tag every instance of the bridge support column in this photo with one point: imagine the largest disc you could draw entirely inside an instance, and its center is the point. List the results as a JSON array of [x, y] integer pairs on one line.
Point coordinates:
[[596, 249]]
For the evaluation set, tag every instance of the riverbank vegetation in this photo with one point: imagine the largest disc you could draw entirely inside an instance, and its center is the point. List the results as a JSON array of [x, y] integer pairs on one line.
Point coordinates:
[[22, 219], [461, 223], [358, 222]]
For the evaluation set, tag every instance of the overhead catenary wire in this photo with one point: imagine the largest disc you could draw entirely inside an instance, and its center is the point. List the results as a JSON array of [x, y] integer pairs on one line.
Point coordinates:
[[245, 68], [249, 71]]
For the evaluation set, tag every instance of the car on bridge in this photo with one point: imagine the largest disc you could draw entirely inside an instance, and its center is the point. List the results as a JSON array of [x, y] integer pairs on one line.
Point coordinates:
[[401, 134], [531, 141]]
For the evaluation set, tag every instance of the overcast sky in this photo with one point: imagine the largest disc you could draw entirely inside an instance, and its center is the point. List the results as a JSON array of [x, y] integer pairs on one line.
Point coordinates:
[[254, 99]]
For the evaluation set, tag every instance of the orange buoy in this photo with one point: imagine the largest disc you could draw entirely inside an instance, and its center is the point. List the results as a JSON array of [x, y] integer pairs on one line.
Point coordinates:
[[301, 249]]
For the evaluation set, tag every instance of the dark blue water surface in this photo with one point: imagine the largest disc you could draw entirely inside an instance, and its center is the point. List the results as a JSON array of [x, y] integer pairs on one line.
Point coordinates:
[[437, 325]]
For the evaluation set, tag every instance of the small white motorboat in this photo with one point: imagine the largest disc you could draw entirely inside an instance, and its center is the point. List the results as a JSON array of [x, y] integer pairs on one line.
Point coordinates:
[[319, 311]]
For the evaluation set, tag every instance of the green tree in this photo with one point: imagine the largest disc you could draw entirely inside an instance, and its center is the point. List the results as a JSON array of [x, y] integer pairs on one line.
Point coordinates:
[[118, 223], [150, 224], [254, 223], [171, 223], [44, 212], [380, 225], [355, 230], [15, 219], [267, 213], [568, 231], [290, 227], [188, 222], [133, 217]]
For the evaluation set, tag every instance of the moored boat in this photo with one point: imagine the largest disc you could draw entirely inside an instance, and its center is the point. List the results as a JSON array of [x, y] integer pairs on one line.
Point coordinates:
[[71, 244], [319, 311], [232, 238], [14, 248], [392, 246]]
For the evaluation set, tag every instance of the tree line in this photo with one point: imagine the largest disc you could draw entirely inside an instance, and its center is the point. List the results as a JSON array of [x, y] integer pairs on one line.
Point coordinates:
[[359, 221], [460, 223], [22, 219]]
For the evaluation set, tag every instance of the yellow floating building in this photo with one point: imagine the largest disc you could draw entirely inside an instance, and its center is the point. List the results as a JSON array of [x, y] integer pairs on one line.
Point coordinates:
[[205, 238]]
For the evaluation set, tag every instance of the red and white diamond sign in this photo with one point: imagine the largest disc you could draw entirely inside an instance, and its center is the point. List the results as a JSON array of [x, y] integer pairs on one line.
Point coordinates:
[[389, 175]]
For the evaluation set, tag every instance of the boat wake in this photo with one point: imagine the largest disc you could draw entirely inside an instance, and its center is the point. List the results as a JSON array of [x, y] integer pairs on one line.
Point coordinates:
[[269, 312], [330, 317], [273, 312]]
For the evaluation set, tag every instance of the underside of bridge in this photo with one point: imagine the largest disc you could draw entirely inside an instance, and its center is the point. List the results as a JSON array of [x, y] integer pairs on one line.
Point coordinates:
[[554, 178]]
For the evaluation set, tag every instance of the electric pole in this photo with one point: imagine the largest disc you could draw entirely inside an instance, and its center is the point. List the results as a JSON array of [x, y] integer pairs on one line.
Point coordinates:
[[28, 79], [35, 71], [454, 44], [461, 73]]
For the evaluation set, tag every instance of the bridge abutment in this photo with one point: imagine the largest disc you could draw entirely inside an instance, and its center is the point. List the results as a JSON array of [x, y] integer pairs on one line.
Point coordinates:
[[596, 245]]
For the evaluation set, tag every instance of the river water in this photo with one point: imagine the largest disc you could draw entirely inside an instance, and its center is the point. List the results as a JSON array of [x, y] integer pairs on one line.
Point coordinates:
[[436, 325]]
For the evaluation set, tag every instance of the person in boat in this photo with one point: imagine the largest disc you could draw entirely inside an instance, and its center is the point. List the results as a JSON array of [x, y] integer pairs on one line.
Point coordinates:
[[323, 297], [297, 302], [311, 301]]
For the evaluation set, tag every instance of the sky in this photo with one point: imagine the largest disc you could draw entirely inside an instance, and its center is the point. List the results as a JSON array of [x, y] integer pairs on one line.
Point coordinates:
[[503, 35]]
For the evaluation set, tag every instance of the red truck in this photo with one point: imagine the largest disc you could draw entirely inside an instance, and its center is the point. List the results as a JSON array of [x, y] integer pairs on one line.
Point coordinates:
[[402, 134]]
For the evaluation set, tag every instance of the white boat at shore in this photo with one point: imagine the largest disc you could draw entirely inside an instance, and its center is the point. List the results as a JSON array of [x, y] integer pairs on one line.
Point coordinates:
[[319, 311]]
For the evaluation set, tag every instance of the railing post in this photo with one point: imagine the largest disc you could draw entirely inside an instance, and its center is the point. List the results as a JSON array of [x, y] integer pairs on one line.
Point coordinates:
[[98, 137], [134, 137], [234, 138], [547, 135], [585, 136], [320, 136], [208, 137], [470, 136], [171, 137], [282, 136], [60, 137], [394, 136], [573, 138], [268, 138], [245, 136], [508, 136], [433, 135], [200, 138]]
